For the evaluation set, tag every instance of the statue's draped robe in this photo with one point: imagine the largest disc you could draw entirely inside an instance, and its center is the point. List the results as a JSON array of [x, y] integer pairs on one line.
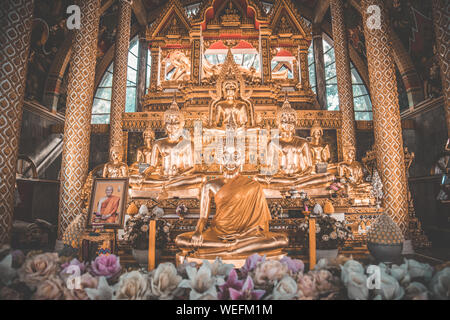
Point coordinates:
[[240, 225], [241, 210]]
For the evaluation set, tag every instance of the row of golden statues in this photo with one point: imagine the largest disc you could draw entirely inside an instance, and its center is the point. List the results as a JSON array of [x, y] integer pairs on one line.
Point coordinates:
[[290, 162]]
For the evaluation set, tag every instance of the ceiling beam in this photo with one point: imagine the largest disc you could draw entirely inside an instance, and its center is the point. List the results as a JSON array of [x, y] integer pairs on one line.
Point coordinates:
[[140, 12], [320, 10]]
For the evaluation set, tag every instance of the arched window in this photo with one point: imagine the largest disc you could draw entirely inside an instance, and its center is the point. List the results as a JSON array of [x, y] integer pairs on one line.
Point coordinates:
[[101, 107], [361, 98]]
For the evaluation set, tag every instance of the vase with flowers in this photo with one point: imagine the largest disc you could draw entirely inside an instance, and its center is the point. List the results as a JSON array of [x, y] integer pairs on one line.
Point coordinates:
[[137, 235], [330, 235]]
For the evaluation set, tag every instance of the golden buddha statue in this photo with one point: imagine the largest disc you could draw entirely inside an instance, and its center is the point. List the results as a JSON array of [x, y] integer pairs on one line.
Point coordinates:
[[240, 226], [144, 153], [115, 168], [289, 162], [351, 172], [172, 158], [231, 107], [320, 151]]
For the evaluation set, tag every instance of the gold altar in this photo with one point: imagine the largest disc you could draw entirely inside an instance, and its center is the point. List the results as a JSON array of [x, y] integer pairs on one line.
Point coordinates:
[[213, 85]]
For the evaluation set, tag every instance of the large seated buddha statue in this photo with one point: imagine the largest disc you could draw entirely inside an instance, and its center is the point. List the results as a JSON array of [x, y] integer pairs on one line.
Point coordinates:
[[172, 158], [240, 226], [289, 163]]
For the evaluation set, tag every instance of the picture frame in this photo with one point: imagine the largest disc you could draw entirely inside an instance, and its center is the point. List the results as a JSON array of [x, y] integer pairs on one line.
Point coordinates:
[[108, 203]]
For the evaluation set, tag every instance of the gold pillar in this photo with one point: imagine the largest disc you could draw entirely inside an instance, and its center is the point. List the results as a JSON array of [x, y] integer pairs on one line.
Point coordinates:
[[154, 72], [386, 116], [119, 85], [441, 13], [77, 129], [304, 68], [344, 77], [16, 17]]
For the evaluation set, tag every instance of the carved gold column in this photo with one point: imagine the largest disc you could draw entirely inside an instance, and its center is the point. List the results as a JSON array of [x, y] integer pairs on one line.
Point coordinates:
[[77, 129], [386, 116], [344, 77], [154, 67], [441, 14], [265, 56], [304, 70], [16, 17], [119, 85]]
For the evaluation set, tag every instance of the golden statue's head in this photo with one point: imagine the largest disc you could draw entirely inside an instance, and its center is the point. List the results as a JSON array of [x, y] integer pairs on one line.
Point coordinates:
[[349, 152], [148, 134], [230, 89], [116, 153], [286, 117], [174, 119], [316, 131]]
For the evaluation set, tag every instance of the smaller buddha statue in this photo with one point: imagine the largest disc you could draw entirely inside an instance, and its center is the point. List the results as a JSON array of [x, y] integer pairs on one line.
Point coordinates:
[[320, 151], [115, 168], [351, 173], [231, 107], [144, 153]]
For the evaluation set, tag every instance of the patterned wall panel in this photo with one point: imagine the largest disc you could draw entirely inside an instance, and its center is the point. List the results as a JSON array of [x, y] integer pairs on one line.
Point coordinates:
[[119, 85], [15, 31], [344, 78], [386, 117], [75, 158], [441, 18]]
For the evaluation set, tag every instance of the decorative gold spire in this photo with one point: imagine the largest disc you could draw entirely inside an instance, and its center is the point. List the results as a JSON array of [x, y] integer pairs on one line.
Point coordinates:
[[287, 110], [173, 111]]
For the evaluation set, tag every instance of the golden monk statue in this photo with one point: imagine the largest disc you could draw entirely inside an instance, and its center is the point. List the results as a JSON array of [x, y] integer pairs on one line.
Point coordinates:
[[320, 151], [240, 225], [231, 107], [107, 207], [172, 158], [115, 168], [289, 162], [351, 172]]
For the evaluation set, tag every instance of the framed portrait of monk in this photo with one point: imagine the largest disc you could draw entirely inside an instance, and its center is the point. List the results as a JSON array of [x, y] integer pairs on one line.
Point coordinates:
[[108, 202]]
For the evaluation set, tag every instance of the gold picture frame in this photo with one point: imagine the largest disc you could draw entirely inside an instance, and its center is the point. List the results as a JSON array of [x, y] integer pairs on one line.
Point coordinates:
[[108, 203]]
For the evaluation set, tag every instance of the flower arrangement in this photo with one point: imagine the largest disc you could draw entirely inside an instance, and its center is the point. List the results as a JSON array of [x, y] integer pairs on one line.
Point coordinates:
[[44, 277], [137, 229], [330, 233]]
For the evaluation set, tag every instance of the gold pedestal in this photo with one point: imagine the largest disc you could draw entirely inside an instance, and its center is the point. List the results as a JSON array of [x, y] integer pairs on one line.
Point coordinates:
[[238, 262]]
